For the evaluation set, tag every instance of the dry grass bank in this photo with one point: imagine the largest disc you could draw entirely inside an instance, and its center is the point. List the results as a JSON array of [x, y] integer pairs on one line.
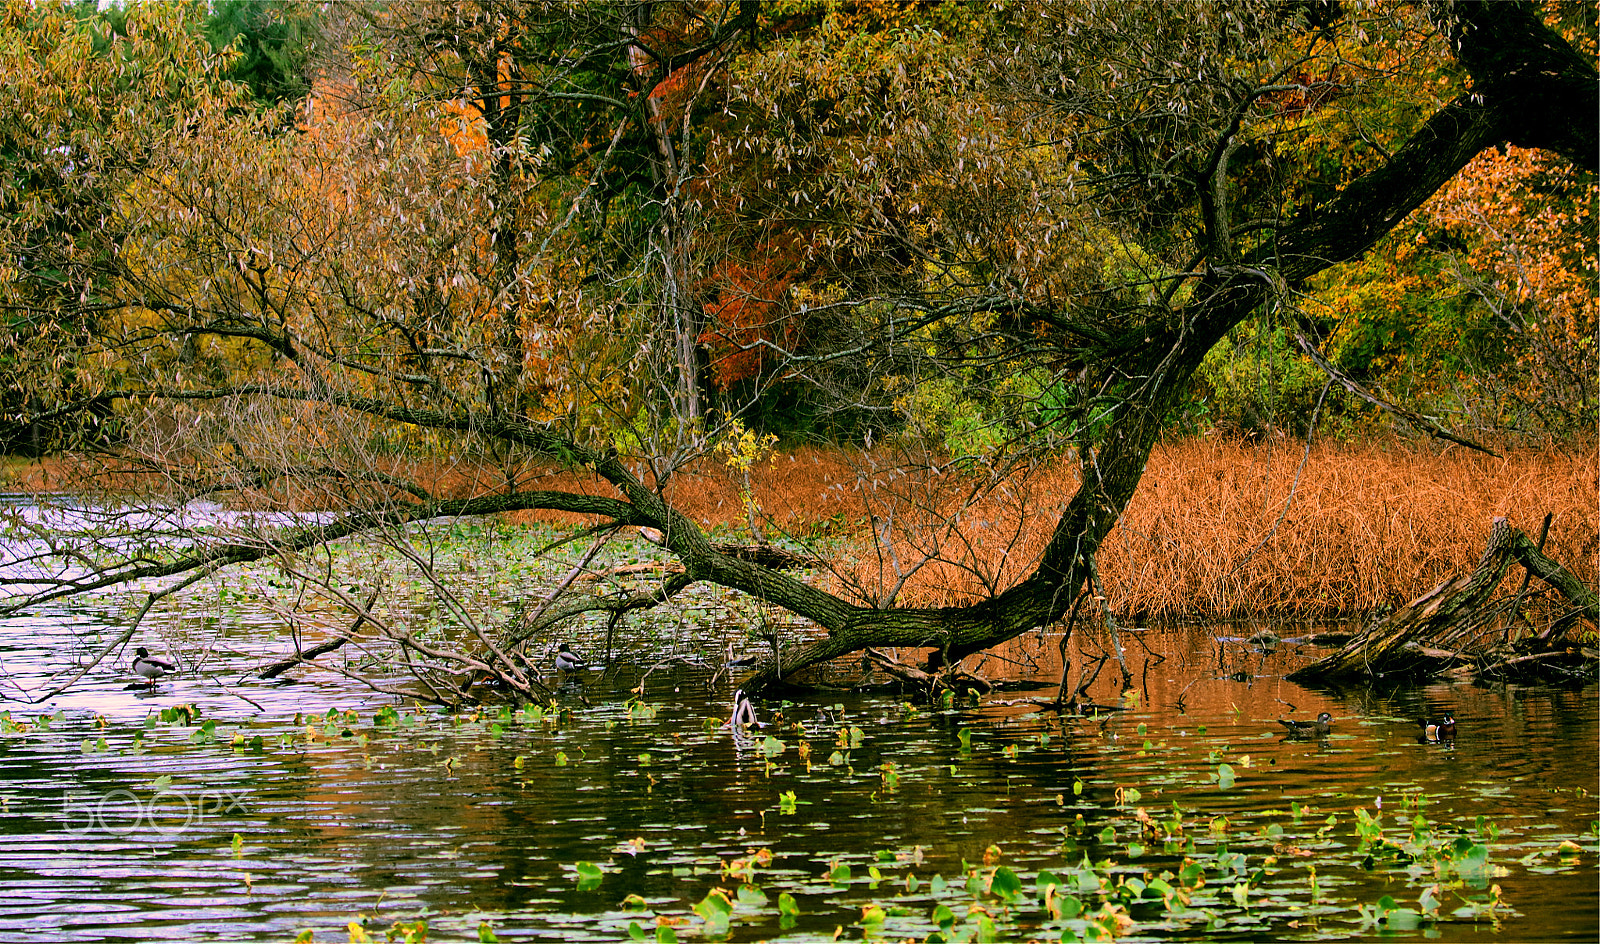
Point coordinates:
[[1222, 529], [1217, 529]]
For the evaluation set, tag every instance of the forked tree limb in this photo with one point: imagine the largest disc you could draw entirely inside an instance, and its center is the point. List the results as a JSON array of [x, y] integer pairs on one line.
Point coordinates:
[[1552, 573]]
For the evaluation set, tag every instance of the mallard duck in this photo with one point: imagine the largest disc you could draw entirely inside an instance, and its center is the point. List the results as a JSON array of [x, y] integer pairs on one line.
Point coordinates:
[[1317, 728], [149, 666]]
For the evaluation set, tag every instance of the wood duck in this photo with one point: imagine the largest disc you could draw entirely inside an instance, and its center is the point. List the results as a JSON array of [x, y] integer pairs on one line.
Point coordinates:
[[1317, 728], [567, 660], [1442, 731], [149, 666]]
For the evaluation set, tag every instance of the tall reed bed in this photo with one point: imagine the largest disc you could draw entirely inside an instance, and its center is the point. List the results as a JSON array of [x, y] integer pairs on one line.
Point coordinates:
[[1226, 530], [1218, 529]]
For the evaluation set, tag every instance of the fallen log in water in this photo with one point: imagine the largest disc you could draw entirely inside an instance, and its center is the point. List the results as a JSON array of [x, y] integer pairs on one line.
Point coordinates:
[[1458, 628], [303, 656]]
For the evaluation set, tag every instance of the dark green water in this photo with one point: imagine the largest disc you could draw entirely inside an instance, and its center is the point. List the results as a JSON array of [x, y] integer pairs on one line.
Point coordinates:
[[467, 819]]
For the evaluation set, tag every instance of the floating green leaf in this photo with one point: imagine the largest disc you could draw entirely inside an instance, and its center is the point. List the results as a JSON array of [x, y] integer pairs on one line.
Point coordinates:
[[589, 875], [716, 911], [1005, 885]]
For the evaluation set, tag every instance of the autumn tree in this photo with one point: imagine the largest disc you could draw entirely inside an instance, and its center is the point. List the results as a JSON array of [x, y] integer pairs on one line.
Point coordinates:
[[1041, 215], [588, 116], [1466, 310], [85, 96], [1517, 232]]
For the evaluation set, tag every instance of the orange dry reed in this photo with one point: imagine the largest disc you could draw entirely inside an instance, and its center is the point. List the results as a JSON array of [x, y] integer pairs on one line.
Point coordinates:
[[1218, 529], [1223, 530]]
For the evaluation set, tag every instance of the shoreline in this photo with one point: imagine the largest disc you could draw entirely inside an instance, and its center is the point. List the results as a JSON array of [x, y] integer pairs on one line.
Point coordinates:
[[1219, 530]]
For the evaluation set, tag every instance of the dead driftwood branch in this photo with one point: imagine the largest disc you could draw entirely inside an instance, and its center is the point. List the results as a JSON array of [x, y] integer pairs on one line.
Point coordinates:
[[302, 656], [930, 683], [1458, 628]]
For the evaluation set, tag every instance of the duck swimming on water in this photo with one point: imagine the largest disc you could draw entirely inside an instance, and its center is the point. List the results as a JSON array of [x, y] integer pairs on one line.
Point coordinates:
[[567, 660], [1442, 731], [1303, 729]]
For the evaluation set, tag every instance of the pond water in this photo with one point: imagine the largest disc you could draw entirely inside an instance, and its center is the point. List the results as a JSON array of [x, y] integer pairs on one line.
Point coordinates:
[[218, 807]]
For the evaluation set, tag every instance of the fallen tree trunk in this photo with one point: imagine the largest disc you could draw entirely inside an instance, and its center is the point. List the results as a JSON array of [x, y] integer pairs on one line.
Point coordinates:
[[1458, 623]]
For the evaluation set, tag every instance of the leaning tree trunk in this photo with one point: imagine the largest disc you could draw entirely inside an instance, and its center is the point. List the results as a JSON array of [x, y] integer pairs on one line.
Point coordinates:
[[1132, 364]]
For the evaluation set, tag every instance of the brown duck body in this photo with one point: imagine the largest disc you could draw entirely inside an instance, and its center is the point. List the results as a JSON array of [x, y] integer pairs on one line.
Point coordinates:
[[1317, 728], [1444, 730]]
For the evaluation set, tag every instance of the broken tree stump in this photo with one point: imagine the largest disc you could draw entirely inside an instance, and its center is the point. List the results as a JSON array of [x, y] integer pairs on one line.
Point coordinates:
[[1445, 627]]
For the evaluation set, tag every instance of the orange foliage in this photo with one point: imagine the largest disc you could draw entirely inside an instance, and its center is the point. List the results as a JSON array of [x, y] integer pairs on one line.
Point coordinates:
[[670, 96], [749, 309], [673, 92], [1308, 93], [1531, 222], [327, 102], [464, 128]]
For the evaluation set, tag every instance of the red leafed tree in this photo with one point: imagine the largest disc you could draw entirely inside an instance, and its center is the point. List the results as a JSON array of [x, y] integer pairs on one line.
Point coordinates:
[[750, 311]]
